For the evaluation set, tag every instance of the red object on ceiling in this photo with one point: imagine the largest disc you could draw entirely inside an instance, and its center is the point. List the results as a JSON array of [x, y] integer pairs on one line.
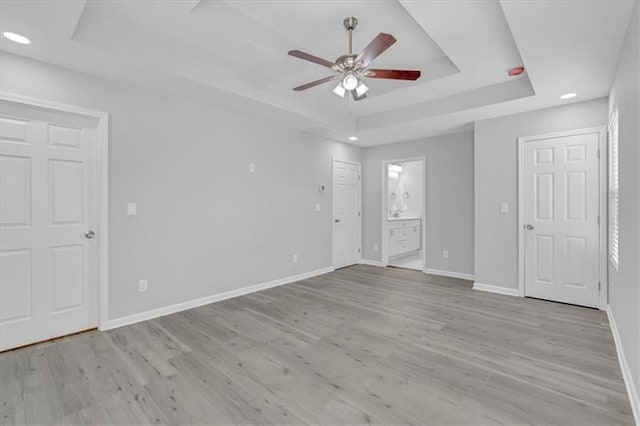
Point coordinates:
[[516, 71]]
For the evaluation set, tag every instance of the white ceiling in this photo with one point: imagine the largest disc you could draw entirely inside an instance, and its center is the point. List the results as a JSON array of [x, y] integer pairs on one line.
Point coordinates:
[[233, 54]]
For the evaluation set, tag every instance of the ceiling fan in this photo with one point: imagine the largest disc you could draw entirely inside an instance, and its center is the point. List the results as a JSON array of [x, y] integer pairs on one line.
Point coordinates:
[[350, 68]]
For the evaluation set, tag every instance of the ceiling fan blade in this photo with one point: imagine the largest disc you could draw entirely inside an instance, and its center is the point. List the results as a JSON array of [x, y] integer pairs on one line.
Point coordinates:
[[393, 74], [355, 96], [311, 58], [316, 83], [378, 45]]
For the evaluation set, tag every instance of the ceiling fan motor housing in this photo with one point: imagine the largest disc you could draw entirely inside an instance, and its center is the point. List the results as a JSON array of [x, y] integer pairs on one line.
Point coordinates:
[[346, 62]]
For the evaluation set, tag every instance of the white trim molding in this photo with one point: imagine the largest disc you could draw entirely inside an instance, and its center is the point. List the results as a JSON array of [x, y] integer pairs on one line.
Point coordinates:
[[190, 304], [372, 263], [102, 229], [496, 289], [449, 274], [612, 167], [632, 389]]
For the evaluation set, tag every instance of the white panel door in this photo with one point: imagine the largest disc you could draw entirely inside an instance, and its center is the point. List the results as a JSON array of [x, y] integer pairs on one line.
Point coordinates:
[[48, 266], [561, 230], [346, 211]]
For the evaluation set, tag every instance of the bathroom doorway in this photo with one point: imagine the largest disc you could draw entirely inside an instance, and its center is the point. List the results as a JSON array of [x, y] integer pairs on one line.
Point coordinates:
[[403, 208]]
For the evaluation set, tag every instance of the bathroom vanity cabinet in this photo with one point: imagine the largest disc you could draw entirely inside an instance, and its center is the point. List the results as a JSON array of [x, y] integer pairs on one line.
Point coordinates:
[[404, 236]]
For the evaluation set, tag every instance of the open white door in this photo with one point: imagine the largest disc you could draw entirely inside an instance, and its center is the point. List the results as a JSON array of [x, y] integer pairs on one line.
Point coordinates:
[[48, 209], [346, 213], [561, 217]]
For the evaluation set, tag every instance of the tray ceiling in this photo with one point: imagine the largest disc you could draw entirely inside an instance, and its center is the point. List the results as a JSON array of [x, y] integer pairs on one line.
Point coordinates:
[[233, 54]]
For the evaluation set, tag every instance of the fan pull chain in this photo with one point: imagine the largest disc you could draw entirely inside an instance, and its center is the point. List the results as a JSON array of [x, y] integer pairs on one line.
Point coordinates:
[[350, 106]]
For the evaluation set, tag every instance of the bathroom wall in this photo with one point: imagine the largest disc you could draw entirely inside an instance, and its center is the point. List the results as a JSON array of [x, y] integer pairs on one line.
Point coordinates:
[[410, 182]]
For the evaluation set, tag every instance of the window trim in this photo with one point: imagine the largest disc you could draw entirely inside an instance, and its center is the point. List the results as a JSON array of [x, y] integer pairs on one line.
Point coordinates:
[[613, 193]]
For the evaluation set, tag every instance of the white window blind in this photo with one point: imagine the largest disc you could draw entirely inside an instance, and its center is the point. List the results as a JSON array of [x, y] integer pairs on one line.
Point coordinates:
[[614, 242]]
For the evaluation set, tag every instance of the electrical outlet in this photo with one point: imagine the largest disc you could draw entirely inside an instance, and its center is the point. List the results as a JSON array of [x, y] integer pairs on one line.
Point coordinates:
[[143, 285], [132, 208], [375, 247], [318, 207], [295, 258], [504, 208], [445, 254], [252, 167]]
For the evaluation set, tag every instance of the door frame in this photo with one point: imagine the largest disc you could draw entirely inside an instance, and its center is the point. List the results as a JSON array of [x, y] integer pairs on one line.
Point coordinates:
[[102, 153], [602, 205], [333, 207], [384, 224]]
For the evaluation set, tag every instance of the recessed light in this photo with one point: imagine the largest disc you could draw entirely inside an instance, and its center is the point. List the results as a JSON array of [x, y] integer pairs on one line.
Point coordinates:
[[353, 138], [569, 95], [18, 38]]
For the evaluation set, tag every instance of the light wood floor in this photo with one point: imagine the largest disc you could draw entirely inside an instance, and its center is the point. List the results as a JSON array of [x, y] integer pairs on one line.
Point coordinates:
[[359, 345]]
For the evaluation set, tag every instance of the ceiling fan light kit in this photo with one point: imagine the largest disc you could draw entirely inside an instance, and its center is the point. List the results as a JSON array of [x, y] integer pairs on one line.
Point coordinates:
[[339, 90], [350, 81], [352, 68], [361, 89]]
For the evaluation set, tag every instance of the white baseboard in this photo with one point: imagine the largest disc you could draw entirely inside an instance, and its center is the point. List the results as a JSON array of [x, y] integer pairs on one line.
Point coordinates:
[[448, 274], [190, 304], [632, 390], [371, 263], [495, 289]]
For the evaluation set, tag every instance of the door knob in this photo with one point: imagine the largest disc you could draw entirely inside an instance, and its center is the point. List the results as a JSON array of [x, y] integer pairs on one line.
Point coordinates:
[[336, 220], [529, 227], [89, 234]]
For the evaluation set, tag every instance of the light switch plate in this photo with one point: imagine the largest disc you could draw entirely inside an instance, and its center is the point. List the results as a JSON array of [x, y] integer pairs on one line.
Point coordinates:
[[295, 258], [143, 285], [132, 208], [504, 208], [317, 207], [252, 167]]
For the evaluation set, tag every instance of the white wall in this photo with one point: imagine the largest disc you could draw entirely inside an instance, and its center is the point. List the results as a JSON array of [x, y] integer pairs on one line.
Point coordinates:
[[205, 224], [624, 284], [496, 180], [449, 198]]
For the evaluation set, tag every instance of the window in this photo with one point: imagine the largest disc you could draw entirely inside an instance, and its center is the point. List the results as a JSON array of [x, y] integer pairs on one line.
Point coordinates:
[[614, 243]]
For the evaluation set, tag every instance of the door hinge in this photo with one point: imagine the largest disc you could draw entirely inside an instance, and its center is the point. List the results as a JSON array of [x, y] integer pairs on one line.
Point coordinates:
[[598, 219], [598, 154], [358, 177], [358, 214], [599, 285], [358, 250]]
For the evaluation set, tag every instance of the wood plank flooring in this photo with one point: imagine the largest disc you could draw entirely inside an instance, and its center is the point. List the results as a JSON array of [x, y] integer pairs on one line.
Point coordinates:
[[357, 346]]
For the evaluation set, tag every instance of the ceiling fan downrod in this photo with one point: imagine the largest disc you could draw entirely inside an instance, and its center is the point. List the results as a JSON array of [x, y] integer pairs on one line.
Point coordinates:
[[350, 24]]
